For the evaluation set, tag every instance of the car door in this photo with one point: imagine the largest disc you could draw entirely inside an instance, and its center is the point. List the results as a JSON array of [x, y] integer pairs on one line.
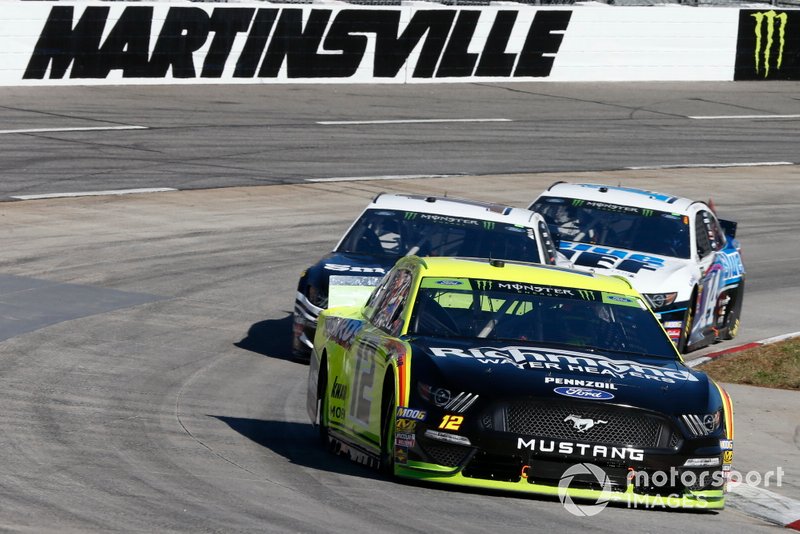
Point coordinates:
[[368, 355], [709, 241]]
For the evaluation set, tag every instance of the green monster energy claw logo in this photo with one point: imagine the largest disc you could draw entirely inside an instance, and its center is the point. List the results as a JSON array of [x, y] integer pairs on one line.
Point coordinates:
[[586, 294], [770, 17], [484, 285], [647, 213], [489, 225], [577, 202], [410, 215]]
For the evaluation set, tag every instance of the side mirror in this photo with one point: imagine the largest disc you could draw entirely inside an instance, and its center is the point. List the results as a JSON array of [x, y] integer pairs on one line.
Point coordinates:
[[729, 227]]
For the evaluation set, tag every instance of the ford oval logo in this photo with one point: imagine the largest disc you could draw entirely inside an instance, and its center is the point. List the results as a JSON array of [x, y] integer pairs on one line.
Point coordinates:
[[584, 393]]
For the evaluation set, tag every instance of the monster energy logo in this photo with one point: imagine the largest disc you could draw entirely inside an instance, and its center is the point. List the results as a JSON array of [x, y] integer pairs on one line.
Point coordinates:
[[586, 294], [577, 202], [489, 225], [411, 215], [484, 285], [769, 17], [647, 213]]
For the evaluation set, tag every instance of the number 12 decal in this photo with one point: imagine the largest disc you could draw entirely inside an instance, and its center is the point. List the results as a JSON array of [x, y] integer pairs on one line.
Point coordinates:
[[451, 422]]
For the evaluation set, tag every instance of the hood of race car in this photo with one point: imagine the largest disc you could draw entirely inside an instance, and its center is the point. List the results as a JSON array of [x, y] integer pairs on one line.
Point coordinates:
[[648, 273], [356, 264], [344, 264], [511, 369]]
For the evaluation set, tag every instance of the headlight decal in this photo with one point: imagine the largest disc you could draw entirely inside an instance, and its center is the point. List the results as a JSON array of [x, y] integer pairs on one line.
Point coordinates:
[[660, 300], [727, 411], [461, 402], [703, 424]]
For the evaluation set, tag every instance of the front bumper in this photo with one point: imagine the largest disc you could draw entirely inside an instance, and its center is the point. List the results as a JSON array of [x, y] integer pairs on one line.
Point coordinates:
[[304, 326], [658, 467], [713, 499]]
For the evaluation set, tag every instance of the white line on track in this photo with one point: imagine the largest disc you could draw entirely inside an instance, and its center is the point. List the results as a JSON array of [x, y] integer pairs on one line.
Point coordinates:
[[387, 177], [723, 117], [408, 121], [84, 129], [711, 165], [95, 193]]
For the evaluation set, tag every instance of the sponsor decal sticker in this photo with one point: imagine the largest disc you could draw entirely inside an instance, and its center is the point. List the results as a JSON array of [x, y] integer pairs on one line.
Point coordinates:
[[405, 425], [401, 454], [450, 282], [609, 298], [584, 393], [404, 439], [567, 361], [596, 384], [343, 331], [585, 450], [727, 457], [451, 422], [404, 412], [341, 268], [339, 390]]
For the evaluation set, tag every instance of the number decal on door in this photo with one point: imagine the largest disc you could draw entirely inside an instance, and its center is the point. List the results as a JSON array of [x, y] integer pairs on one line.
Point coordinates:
[[363, 380]]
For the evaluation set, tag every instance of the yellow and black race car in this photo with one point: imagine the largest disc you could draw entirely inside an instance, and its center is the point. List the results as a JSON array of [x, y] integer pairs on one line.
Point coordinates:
[[504, 375]]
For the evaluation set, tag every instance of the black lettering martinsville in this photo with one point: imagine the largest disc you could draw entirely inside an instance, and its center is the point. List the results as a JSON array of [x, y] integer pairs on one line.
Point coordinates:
[[329, 45]]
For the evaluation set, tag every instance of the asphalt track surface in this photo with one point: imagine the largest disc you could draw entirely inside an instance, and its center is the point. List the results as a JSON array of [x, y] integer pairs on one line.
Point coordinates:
[[145, 378]]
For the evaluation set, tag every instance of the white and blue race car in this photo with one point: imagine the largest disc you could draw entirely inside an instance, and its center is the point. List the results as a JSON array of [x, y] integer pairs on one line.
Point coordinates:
[[675, 251]]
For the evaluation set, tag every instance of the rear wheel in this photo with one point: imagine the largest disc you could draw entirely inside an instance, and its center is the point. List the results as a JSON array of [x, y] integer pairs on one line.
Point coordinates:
[[388, 425], [322, 387], [732, 322]]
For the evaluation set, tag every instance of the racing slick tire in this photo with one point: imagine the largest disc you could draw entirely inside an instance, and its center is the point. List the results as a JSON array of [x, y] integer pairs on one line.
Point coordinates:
[[732, 322], [688, 320], [388, 426], [322, 386]]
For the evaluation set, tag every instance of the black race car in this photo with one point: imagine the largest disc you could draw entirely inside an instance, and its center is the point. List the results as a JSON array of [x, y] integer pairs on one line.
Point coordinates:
[[393, 226], [509, 376]]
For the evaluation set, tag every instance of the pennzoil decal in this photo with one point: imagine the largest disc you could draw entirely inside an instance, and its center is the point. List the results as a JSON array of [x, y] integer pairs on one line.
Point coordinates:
[[280, 42], [768, 45]]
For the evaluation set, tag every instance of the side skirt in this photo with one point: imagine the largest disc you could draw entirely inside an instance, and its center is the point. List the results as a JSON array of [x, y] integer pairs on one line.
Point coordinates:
[[357, 453]]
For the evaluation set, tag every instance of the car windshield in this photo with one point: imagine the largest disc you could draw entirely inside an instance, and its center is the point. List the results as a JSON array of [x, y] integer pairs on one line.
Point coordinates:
[[616, 226], [562, 316], [396, 233]]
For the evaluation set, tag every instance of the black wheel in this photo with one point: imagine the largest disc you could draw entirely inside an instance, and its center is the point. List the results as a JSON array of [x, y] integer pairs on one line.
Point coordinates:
[[732, 322], [322, 386], [688, 320], [388, 425]]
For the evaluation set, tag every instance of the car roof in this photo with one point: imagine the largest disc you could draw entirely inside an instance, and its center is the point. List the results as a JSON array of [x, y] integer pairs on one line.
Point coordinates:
[[454, 207], [626, 196], [524, 273]]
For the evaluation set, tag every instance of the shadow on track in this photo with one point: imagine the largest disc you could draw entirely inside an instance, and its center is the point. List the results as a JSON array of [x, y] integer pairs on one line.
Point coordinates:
[[297, 442], [272, 337]]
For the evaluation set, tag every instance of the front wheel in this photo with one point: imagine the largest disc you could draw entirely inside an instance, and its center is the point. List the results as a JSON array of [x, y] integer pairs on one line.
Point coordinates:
[[322, 386], [388, 426], [688, 321]]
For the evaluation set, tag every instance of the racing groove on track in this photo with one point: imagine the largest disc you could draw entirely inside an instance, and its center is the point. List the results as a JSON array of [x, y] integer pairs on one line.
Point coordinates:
[[184, 413]]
